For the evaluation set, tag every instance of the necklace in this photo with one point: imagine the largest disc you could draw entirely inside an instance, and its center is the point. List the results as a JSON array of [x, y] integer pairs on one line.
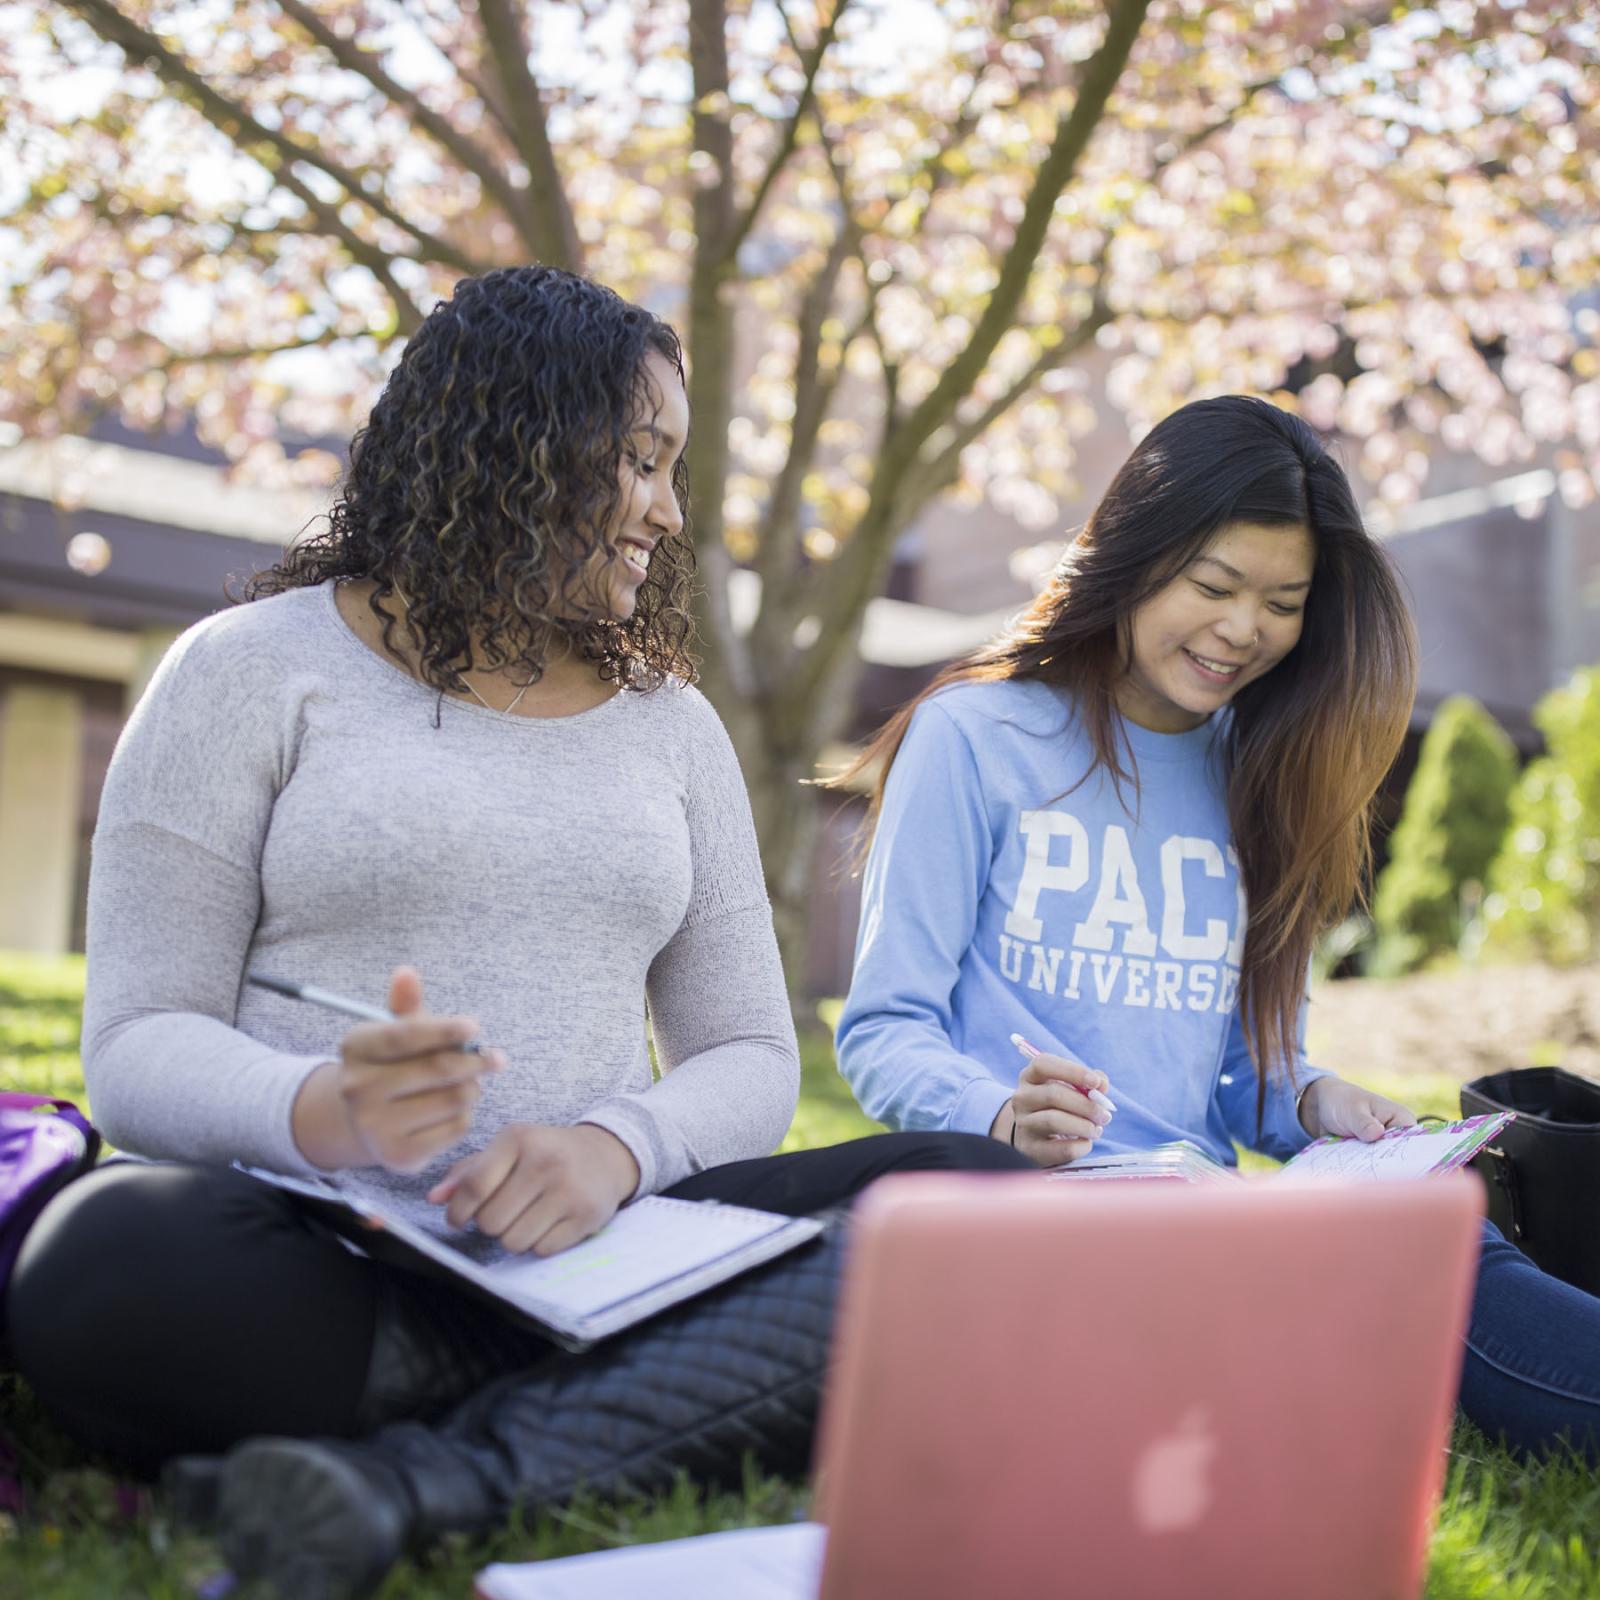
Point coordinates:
[[461, 678]]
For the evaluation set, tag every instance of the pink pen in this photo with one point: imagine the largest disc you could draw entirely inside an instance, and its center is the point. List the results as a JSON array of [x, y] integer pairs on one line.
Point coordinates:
[[1030, 1051]]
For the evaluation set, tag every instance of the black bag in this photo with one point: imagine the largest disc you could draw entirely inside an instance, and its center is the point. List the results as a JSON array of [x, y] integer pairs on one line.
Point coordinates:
[[1543, 1171]]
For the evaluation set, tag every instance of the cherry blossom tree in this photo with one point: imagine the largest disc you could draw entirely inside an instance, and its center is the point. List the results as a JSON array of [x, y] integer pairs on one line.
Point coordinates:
[[891, 232]]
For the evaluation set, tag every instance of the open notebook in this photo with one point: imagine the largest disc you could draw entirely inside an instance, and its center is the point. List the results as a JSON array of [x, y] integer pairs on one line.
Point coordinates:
[[652, 1254], [1401, 1153]]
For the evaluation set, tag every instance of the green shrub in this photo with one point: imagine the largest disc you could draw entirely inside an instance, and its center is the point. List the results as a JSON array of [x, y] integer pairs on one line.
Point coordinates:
[[1449, 832], [1544, 885]]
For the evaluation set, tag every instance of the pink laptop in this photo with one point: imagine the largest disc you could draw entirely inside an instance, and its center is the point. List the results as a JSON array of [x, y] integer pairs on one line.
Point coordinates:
[[1129, 1390]]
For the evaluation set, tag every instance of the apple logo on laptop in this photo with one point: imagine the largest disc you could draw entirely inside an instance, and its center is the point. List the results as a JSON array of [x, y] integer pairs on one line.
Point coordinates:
[[1172, 1481]]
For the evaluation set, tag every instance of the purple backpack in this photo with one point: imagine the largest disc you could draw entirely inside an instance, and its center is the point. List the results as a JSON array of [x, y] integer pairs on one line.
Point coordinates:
[[44, 1143]]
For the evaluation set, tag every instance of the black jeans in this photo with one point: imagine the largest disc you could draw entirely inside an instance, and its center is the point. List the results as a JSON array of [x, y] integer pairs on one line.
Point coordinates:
[[165, 1309]]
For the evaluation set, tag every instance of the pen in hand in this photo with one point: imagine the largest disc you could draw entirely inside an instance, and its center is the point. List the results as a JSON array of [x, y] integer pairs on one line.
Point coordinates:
[[337, 1002], [1100, 1098]]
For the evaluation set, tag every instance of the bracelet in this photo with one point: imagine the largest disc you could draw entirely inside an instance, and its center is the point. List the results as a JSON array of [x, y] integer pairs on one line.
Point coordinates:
[[1305, 1089]]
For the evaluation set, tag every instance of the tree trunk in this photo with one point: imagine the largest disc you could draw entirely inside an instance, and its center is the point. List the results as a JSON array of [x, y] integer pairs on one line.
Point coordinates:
[[778, 749], [786, 824]]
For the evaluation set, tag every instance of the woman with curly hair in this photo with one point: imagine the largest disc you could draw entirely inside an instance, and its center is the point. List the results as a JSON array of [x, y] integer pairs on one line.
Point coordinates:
[[455, 728]]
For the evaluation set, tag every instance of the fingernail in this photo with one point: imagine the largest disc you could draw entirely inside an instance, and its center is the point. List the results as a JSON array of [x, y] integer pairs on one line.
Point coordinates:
[[1104, 1101]]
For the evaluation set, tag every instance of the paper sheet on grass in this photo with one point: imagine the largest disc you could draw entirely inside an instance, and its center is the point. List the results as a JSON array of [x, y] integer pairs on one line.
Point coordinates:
[[782, 1563]]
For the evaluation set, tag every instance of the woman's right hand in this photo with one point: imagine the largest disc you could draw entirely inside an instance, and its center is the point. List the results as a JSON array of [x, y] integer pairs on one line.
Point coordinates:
[[1053, 1119], [400, 1093]]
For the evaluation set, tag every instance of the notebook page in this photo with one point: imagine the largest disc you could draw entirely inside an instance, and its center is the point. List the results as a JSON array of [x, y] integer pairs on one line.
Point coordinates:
[[645, 1244], [1400, 1153]]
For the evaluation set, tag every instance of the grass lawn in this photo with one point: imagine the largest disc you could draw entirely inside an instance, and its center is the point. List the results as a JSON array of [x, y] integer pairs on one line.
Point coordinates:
[[1505, 1531]]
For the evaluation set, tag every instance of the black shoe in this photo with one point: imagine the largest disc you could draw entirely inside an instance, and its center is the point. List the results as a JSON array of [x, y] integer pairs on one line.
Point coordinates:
[[317, 1521]]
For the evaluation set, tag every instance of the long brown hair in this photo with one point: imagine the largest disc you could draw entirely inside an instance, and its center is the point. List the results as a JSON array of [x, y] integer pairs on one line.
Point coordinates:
[[1308, 743]]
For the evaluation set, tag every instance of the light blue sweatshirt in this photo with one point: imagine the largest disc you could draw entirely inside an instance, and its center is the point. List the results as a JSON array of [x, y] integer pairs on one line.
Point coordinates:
[[1004, 895]]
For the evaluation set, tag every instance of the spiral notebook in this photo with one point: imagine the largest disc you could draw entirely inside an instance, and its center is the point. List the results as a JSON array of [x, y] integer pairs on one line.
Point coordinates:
[[1418, 1152], [652, 1254]]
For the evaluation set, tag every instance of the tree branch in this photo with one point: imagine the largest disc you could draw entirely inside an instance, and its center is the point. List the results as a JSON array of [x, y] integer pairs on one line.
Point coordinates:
[[1217, 125], [812, 393], [240, 126], [934, 172], [856, 569], [408, 314], [480, 79], [98, 201], [479, 162], [254, 239], [172, 359], [1073, 132], [932, 477], [555, 240], [772, 641], [869, 314], [811, 62]]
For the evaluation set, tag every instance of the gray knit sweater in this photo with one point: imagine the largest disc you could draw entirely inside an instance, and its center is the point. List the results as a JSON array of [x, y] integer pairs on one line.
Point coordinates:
[[284, 798]]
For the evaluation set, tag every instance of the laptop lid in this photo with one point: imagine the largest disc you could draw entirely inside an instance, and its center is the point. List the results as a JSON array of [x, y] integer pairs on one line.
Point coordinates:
[[1143, 1389]]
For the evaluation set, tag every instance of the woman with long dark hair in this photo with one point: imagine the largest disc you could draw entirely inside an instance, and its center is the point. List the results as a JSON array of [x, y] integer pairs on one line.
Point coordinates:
[[456, 731], [1117, 832]]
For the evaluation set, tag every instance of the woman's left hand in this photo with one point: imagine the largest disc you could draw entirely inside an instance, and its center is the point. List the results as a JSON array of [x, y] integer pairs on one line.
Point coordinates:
[[1331, 1105], [539, 1188]]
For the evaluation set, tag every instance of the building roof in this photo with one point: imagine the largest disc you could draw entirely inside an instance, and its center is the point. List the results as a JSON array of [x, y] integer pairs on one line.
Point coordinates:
[[85, 475]]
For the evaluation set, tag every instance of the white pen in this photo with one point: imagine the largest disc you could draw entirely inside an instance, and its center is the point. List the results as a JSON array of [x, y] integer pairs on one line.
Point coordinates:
[[1099, 1097], [337, 1002]]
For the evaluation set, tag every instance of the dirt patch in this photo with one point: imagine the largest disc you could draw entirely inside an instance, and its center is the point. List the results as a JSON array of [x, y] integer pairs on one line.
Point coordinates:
[[1462, 1023]]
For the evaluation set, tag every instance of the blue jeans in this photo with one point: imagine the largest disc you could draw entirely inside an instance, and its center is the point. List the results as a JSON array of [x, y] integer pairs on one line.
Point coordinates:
[[1532, 1371]]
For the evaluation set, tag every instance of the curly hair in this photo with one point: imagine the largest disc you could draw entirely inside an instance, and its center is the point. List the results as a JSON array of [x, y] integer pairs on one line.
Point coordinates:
[[485, 483]]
